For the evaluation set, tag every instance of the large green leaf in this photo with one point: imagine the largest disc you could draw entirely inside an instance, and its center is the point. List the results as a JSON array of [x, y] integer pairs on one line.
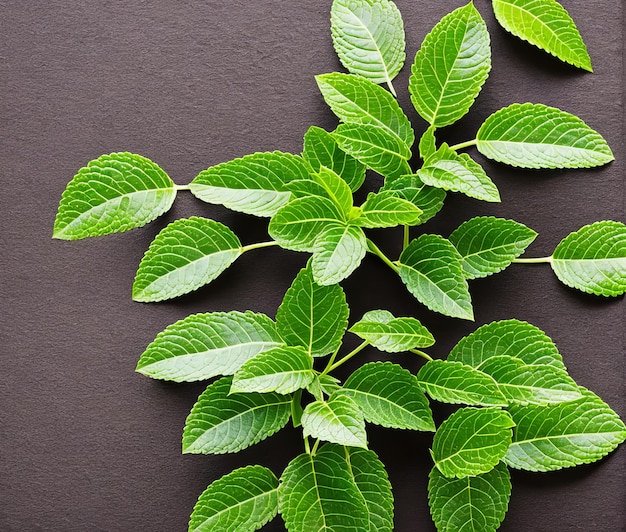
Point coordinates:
[[547, 25], [184, 256], [243, 500], [564, 435], [411, 188], [390, 396], [593, 259], [113, 193], [368, 36], [470, 504], [206, 345], [451, 67], [431, 269], [338, 251], [221, 422], [472, 441], [386, 209], [537, 136], [313, 316], [488, 244], [393, 335], [254, 184]]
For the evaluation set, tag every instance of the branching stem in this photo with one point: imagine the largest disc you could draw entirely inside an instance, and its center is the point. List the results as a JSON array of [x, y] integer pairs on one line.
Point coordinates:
[[462, 145], [330, 367], [373, 248]]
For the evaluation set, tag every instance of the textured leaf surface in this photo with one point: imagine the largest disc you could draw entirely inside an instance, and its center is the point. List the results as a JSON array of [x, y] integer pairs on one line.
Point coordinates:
[[564, 435], [451, 67], [390, 396], [184, 256], [470, 504], [431, 269], [393, 335], [386, 209], [338, 251], [220, 422], [537, 136], [547, 25], [593, 259], [336, 189], [205, 345], [113, 193], [243, 500], [411, 188], [428, 143]]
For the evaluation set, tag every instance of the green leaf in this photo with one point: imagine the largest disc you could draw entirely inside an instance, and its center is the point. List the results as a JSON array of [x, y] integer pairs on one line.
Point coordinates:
[[470, 504], [456, 383], [431, 269], [507, 337], [488, 245], [313, 316], [593, 259], [318, 492], [336, 189], [564, 435], [113, 193], [337, 420], [243, 500], [368, 36], [206, 345], [282, 370], [386, 209], [472, 441], [458, 173], [393, 335], [253, 184], [411, 188], [537, 136], [390, 396], [428, 143], [451, 66], [338, 251], [321, 149], [184, 256], [356, 100], [220, 422], [547, 25]]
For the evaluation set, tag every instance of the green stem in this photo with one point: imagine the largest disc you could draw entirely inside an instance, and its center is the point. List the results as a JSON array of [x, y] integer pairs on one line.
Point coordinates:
[[462, 145], [307, 445], [536, 260], [373, 248], [406, 238], [260, 245], [182, 187], [422, 354], [315, 446], [355, 351], [391, 89]]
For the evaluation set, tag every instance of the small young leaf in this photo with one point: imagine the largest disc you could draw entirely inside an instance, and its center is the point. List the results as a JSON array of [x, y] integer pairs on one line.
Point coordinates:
[[428, 143], [368, 36], [451, 66], [391, 334], [593, 259], [281, 370], [113, 193], [564, 435], [472, 441], [220, 422], [313, 316], [338, 251], [537, 136], [488, 245], [184, 256], [386, 209], [336, 189], [390, 396], [547, 25], [243, 500], [470, 504], [206, 345], [431, 269], [409, 187]]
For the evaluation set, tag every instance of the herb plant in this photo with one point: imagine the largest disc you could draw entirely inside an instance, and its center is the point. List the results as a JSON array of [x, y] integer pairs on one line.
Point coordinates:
[[519, 407]]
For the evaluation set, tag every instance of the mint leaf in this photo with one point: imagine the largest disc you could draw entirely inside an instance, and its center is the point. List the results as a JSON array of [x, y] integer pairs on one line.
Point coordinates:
[[469, 504], [409, 187], [221, 422], [472, 441], [545, 24], [385, 209], [428, 143], [431, 269], [393, 335], [206, 345], [243, 500], [450, 67], [537, 136], [337, 252], [336, 189], [488, 245], [113, 193], [184, 256], [390, 396], [593, 259]]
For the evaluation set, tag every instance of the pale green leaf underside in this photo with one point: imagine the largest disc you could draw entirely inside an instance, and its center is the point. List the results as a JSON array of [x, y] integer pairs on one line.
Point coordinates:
[[113, 193], [184, 256], [337, 252], [243, 500], [537, 136], [409, 187], [593, 259], [202, 346], [392, 335], [545, 24], [386, 209]]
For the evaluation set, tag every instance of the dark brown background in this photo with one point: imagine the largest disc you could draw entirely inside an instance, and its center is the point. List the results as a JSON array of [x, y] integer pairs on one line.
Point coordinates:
[[87, 443]]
